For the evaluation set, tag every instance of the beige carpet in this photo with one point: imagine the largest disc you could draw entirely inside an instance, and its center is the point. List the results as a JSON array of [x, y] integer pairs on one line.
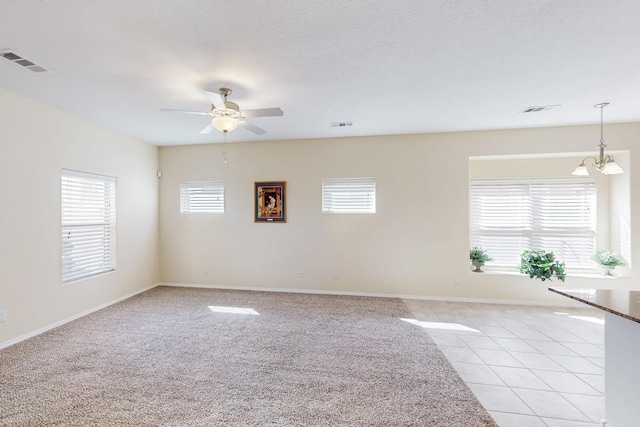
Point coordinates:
[[164, 358]]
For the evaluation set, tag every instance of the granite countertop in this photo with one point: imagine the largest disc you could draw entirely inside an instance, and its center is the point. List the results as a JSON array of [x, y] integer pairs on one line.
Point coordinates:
[[621, 302]]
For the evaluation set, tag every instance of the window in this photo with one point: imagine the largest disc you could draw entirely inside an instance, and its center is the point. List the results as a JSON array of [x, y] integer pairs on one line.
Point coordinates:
[[88, 225], [559, 215], [349, 195], [625, 241], [202, 197]]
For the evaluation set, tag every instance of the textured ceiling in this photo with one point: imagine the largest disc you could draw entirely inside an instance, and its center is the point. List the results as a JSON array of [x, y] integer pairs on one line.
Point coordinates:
[[410, 66]]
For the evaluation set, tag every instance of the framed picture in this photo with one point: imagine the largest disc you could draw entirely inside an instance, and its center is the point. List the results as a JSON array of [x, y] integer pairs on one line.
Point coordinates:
[[270, 201]]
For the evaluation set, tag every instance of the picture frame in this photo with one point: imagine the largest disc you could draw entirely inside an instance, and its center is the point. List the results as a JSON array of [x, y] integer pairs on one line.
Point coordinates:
[[270, 201]]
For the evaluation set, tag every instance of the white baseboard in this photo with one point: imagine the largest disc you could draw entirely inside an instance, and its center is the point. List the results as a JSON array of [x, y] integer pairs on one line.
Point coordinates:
[[283, 290], [568, 303], [72, 318]]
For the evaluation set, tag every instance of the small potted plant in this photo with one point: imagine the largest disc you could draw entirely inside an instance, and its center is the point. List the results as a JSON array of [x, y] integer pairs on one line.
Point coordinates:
[[541, 265], [607, 260], [478, 257]]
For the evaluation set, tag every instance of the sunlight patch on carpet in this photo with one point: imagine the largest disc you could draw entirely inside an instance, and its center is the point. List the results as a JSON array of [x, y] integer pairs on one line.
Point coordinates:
[[233, 310]]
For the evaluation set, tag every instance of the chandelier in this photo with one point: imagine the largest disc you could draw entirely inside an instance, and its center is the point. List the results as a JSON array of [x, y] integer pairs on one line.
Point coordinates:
[[604, 162]]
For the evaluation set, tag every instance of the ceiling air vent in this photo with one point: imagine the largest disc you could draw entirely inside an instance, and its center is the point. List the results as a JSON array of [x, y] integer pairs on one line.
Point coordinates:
[[539, 108], [17, 59], [340, 124]]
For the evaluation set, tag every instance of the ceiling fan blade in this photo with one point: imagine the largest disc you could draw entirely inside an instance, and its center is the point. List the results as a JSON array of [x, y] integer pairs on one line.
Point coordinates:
[[263, 112], [251, 128], [169, 110], [208, 129], [216, 100]]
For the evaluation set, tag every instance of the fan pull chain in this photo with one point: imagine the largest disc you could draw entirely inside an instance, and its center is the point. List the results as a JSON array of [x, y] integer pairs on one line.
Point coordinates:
[[225, 146]]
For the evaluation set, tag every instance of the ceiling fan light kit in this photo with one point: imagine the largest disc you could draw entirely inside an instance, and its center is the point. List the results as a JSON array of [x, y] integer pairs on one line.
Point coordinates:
[[604, 162], [227, 115], [225, 123]]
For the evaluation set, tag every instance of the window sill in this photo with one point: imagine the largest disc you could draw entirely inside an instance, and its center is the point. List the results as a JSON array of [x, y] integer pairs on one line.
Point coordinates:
[[580, 275]]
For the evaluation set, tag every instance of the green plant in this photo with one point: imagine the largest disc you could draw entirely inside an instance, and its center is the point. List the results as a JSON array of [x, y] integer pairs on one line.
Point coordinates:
[[477, 254], [607, 258], [541, 265]]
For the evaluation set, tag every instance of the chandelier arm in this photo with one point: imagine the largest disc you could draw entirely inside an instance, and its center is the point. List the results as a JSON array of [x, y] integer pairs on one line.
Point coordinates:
[[595, 161]]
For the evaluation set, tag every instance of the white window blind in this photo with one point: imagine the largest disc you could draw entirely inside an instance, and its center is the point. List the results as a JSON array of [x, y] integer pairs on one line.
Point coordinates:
[[88, 224], [349, 195], [559, 215], [625, 241], [202, 197]]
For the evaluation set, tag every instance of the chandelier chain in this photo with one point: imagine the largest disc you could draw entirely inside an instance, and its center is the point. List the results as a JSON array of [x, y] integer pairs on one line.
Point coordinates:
[[601, 124]]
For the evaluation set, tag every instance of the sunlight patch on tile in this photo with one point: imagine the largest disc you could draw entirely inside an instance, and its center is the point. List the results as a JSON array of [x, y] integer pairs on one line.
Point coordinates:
[[589, 319], [233, 310], [440, 325]]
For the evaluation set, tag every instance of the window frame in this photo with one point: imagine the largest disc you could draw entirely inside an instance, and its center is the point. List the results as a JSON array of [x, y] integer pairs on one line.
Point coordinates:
[[349, 195], [541, 224], [209, 191], [88, 225]]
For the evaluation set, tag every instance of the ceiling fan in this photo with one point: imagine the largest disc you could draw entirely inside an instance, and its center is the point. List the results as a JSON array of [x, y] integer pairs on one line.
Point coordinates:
[[227, 115]]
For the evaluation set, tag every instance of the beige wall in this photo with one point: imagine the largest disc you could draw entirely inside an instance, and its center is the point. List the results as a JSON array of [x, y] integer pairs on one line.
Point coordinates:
[[36, 142], [416, 244]]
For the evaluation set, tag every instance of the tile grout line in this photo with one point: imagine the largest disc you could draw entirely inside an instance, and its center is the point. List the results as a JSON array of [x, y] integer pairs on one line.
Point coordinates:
[[530, 322]]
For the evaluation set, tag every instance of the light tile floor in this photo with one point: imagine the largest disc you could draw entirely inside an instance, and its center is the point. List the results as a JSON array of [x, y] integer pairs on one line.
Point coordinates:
[[530, 366]]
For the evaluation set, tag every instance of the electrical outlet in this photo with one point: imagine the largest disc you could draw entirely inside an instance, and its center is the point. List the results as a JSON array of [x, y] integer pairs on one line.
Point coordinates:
[[3, 315], [301, 274], [335, 275], [457, 280]]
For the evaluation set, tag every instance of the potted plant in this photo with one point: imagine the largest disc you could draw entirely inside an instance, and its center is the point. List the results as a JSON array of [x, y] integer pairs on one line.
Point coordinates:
[[607, 260], [541, 265], [478, 257]]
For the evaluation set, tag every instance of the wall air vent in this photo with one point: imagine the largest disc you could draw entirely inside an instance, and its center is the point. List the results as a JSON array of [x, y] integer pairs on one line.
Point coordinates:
[[539, 108], [17, 59], [340, 124]]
